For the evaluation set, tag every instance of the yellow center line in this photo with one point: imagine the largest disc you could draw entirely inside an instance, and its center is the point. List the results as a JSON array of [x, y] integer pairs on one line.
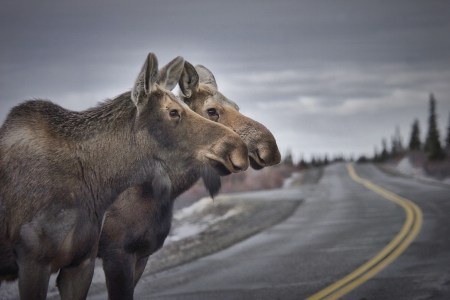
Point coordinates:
[[388, 254]]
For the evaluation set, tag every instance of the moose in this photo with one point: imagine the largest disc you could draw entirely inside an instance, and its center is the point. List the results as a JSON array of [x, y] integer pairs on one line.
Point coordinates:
[[138, 222], [60, 170]]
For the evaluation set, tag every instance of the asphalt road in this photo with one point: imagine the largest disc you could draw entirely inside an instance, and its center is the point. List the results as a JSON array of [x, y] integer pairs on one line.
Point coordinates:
[[340, 226]]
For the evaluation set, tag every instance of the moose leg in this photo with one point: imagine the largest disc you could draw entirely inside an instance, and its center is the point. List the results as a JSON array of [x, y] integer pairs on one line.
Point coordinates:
[[139, 269], [119, 273], [33, 279], [73, 282]]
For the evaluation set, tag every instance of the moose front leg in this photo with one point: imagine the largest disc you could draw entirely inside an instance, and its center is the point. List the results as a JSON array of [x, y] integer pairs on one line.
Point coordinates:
[[74, 282], [119, 273], [33, 279], [139, 269]]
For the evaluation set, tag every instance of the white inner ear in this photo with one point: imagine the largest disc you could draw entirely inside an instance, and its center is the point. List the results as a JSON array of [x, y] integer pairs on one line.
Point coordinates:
[[163, 83], [137, 90], [206, 76]]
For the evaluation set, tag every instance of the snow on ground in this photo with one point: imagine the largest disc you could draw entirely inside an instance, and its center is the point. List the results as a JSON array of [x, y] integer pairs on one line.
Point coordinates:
[[193, 220], [195, 207], [405, 167], [291, 179]]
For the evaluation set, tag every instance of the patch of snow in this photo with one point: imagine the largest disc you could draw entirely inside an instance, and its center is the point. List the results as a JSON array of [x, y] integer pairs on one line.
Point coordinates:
[[404, 166], [294, 176], [184, 231], [191, 221], [196, 207]]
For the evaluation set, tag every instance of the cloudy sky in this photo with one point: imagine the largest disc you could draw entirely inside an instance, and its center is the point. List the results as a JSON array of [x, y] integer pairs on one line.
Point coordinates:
[[326, 77]]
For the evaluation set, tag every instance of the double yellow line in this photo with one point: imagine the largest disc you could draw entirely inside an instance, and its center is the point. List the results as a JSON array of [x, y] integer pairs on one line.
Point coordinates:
[[387, 255]]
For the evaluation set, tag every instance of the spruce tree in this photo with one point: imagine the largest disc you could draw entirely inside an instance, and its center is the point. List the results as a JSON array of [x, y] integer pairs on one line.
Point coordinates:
[[447, 140], [414, 141], [397, 145], [398, 139], [302, 164], [376, 156], [394, 148], [384, 152], [432, 144], [288, 160]]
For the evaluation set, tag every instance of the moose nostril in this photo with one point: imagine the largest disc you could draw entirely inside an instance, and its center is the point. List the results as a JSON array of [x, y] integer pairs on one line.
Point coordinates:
[[238, 157], [268, 156], [239, 160], [237, 168], [261, 159]]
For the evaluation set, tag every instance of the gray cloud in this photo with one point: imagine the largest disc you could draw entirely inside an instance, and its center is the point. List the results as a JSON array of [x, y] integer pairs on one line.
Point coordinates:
[[324, 76]]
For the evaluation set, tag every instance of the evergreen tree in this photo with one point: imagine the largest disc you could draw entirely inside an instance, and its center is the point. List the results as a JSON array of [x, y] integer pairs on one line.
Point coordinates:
[[433, 144], [398, 140], [376, 156], [302, 164], [394, 150], [384, 152], [396, 143], [414, 141], [313, 162], [447, 140], [288, 160]]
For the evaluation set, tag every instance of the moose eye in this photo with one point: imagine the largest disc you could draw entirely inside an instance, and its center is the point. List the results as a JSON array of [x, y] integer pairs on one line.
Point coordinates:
[[173, 113], [212, 112]]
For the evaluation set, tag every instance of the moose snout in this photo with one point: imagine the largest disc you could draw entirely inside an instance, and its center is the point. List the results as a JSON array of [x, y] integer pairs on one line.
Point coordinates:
[[264, 155], [239, 156], [228, 155], [269, 155]]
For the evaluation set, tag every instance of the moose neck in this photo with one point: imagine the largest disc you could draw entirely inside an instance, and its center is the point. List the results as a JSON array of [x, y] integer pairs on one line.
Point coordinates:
[[111, 156], [109, 116], [183, 180]]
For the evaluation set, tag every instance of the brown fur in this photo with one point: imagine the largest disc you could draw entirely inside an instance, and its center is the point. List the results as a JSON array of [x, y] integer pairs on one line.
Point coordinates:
[[60, 170], [131, 235]]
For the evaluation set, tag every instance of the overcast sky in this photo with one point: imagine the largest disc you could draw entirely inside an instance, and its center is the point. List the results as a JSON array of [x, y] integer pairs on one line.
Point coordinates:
[[326, 77]]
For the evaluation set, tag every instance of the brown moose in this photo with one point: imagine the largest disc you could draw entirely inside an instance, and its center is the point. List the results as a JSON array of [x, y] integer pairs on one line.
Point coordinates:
[[137, 224], [60, 170]]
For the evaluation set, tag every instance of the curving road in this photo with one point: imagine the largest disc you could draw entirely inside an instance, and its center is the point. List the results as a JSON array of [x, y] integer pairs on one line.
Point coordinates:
[[340, 226]]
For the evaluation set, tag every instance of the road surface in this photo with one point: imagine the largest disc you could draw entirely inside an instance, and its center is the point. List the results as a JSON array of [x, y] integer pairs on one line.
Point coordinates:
[[340, 226], [349, 238]]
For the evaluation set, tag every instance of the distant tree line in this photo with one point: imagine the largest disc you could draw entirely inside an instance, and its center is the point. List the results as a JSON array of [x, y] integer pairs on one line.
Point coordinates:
[[314, 161], [432, 146]]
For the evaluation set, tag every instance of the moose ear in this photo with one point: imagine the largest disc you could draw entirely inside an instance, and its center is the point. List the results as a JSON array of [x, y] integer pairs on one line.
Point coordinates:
[[188, 80], [206, 76], [145, 81], [170, 74]]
